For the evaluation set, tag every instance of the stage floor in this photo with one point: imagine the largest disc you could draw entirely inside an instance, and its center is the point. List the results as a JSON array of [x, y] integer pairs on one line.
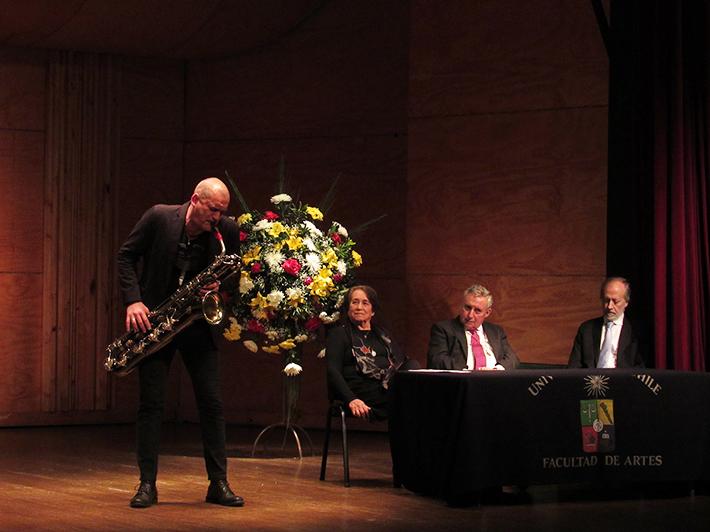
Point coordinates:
[[81, 478]]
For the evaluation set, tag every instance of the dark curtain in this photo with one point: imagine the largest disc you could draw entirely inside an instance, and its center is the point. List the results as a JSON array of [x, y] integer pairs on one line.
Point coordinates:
[[657, 233]]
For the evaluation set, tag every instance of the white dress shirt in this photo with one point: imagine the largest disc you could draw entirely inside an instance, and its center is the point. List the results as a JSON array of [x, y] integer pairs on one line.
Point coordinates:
[[615, 335]]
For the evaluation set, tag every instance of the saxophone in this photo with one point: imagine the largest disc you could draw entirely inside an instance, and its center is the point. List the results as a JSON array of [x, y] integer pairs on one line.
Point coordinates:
[[173, 315]]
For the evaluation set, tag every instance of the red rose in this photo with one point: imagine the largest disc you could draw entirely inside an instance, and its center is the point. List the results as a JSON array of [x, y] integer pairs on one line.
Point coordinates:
[[254, 326], [271, 215], [337, 239], [242, 236], [307, 281], [256, 267], [312, 324], [291, 267], [337, 278]]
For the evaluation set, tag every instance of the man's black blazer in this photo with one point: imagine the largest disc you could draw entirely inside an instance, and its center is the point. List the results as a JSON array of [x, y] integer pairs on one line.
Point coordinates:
[[154, 241], [448, 348], [585, 350]]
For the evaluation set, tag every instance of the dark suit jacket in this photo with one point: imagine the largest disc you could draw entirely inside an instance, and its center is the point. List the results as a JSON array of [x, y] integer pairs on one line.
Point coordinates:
[[585, 350], [448, 348], [153, 242]]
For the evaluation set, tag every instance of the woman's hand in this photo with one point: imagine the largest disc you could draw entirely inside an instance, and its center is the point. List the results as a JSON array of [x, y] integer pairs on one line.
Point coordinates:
[[359, 409]]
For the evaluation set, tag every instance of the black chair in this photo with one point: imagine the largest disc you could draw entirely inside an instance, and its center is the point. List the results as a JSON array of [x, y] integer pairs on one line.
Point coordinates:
[[336, 408]]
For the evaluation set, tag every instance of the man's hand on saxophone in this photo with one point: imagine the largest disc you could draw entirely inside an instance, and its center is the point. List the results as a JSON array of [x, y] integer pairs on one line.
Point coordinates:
[[214, 285], [137, 317]]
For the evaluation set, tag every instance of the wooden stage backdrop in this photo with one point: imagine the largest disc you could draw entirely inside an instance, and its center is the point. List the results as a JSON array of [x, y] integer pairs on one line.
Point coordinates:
[[479, 128]]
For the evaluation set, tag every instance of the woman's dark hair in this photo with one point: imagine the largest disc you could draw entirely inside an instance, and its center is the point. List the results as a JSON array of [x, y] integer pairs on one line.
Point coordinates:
[[369, 291]]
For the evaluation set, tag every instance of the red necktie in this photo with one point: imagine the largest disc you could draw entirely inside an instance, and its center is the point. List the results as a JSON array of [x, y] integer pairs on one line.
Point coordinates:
[[479, 357]]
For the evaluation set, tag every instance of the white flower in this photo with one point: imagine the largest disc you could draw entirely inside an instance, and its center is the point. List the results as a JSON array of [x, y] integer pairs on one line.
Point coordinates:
[[310, 246], [312, 228], [329, 319], [294, 293], [313, 262], [321, 353], [341, 267], [292, 369], [301, 338], [274, 259], [341, 229], [251, 346], [245, 285], [279, 198], [275, 298], [262, 225], [272, 334]]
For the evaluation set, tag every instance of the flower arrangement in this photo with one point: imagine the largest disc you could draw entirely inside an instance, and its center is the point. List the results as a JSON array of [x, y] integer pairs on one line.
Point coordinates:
[[293, 279]]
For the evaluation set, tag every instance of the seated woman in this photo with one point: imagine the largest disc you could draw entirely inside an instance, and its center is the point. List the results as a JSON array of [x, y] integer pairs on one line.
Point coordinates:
[[362, 358]]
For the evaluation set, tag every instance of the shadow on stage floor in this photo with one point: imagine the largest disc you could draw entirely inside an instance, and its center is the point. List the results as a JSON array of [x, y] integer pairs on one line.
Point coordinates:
[[81, 478]]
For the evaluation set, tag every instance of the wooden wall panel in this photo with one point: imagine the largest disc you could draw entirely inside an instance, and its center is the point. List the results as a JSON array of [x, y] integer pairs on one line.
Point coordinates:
[[82, 144], [152, 98], [20, 343], [508, 193], [150, 173], [343, 72], [21, 178], [371, 184], [22, 88], [491, 56], [22, 91], [507, 167]]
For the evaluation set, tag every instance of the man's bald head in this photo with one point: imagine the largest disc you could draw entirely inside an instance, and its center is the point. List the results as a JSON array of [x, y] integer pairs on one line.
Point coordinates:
[[212, 187]]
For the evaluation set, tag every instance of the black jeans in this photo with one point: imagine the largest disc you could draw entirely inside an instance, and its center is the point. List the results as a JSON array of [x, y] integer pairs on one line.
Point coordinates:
[[201, 359]]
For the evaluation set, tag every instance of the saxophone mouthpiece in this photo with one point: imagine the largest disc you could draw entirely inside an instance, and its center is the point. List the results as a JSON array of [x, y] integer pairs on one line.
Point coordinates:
[[219, 238]]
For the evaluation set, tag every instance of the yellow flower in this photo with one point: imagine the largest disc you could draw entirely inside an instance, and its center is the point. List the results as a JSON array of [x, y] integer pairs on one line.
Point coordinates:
[[259, 301], [330, 258], [357, 258], [234, 332], [273, 349], [322, 283], [259, 314], [276, 229], [314, 213], [251, 255], [244, 218], [294, 242], [287, 344]]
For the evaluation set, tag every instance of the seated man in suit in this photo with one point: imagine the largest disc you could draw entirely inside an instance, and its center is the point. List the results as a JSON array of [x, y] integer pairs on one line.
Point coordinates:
[[468, 341], [608, 341]]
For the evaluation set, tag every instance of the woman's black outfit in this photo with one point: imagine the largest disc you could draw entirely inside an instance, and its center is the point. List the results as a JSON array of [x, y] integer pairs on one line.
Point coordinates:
[[361, 364]]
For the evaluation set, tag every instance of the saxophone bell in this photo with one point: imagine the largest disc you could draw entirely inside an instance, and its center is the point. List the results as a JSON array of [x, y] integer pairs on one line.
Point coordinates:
[[213, 307]]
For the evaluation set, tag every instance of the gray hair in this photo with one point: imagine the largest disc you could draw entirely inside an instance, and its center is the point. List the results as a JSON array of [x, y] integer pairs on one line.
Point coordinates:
[[622, 280], [478, 290]]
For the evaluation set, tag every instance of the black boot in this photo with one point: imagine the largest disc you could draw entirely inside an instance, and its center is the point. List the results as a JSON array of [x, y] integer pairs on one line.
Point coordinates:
[[219, 492], [146, 495]]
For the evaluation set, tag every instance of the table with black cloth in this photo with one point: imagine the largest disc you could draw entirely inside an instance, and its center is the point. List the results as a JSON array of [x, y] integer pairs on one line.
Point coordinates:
[[456, 433]]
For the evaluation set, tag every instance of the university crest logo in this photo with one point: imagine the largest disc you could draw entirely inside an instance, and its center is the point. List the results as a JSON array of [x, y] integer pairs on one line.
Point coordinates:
[[597, 416]]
